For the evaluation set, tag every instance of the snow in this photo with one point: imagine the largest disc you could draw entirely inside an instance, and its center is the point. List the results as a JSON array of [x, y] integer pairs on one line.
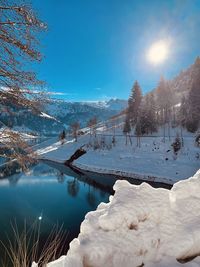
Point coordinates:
[[140, 226], [58, 152], [154, 161], [57, 106], [112, 104], [4, 132], [44, 115], [149, 160]]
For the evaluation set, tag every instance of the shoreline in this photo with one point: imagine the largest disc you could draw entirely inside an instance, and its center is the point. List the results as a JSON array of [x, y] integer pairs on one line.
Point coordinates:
[[99, 173]]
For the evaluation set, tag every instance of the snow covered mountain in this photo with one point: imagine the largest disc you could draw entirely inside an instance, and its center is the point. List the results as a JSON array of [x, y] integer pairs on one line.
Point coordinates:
[[112, 104], [22, 119], [59, 114], [69, 112], [60, 108]]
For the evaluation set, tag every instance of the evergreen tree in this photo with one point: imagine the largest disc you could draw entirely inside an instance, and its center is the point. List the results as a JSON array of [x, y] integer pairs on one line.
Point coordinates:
[[193, 115], [164, 99], [152, 113], [62, 137], [148, 115], [189, 115], [134, 103], [183, 116], [183, 113], [196, 69]]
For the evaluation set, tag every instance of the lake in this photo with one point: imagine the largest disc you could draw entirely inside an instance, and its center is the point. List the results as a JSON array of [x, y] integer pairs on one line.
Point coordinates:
[[50, 196]]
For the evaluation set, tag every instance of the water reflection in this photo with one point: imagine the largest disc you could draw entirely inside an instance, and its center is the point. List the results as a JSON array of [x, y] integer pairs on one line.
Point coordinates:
[[73, 187], [49, 195], [91, 197], [101, 181], [60, 177]]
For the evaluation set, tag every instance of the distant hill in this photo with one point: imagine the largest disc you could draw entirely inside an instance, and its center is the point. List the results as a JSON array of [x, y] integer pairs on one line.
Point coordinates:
[[59, 114], [182, 83], [68, 112]]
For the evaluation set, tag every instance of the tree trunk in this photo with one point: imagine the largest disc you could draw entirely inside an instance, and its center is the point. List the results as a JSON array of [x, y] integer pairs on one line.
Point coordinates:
[[182, 142], [130, 139], [169, 135]]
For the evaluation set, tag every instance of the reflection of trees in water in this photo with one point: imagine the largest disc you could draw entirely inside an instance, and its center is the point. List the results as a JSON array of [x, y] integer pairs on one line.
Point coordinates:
[[60, 177], [91, 197], [73, 187], [13, 180], [102, 193], [9, 168]]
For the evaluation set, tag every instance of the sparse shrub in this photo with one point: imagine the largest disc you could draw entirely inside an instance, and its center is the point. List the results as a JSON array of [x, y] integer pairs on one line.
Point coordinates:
[[109, 146], [103, 142], [197, 140], [113, 141], [62, 137], [74, 129], [176, 145], [96, 143]]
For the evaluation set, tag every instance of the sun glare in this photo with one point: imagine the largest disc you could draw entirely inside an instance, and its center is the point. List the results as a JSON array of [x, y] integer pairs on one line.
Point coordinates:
[[158, 52]]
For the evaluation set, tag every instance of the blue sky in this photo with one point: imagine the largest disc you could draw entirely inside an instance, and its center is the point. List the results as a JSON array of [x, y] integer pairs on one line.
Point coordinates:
[[96, 49]]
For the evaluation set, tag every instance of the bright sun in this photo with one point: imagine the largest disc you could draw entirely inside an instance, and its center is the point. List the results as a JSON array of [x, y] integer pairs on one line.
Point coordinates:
[[158, 52]]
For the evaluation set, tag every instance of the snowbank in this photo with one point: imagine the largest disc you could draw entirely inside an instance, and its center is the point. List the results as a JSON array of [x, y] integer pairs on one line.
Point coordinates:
[[140, 226]]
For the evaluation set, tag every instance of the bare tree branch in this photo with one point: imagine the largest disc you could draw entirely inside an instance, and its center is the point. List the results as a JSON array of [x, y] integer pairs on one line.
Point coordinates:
[[19, 44]]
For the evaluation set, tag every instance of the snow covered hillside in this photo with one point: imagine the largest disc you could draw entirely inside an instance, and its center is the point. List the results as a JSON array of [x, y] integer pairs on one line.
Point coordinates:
[[140, 226], [60, 108], [59, 114], [154, 160], [182, 83], [23, 118], [69, 112]]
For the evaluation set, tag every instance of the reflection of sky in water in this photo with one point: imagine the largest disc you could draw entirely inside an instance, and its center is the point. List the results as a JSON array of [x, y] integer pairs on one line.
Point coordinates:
[[49, 196], [29, 181]]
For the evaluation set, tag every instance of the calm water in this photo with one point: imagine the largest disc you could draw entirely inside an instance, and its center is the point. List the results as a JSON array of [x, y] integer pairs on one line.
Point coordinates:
[[49, 195]]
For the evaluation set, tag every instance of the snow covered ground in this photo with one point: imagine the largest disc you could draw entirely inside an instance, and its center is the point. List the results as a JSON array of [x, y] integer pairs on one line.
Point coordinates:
[[140, 226], [23, 133], [153, 160]]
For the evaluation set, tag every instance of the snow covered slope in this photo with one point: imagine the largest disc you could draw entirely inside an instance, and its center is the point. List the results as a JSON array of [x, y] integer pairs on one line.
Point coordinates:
[[62, 107], [182, 83], [37, 123], [69, 112], [112, 104], [141, 226], [154, 160], [59, 114]]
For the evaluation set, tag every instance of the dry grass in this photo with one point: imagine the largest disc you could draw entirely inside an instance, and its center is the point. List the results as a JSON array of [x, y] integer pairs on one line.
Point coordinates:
[[28, 246]]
